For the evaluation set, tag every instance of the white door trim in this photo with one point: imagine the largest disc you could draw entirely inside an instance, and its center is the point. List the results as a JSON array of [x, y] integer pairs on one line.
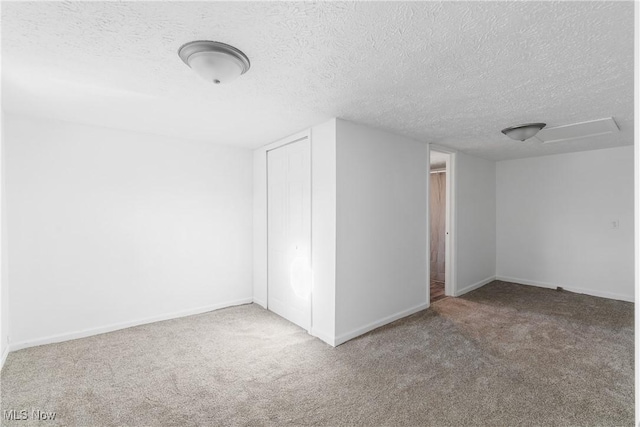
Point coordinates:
[[286, 141]]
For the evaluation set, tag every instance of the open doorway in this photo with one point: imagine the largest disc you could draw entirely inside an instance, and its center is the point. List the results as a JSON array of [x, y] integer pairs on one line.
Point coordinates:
[[440, 225]]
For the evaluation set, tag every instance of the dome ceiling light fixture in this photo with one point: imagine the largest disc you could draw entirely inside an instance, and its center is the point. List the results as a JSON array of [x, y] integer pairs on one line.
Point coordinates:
[[214, 61], [523, 132]]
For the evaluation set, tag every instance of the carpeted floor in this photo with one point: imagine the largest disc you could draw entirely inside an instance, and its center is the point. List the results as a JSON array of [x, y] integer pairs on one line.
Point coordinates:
[[503, 355]]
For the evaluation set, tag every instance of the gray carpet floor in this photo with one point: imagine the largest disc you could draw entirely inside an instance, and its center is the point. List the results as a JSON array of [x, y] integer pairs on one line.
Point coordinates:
[[503, 355]]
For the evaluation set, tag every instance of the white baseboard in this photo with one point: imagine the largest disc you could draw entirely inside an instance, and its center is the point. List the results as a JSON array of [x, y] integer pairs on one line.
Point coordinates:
[[374, 325], [527, 282], [324, 337], [5, 353], [117, 326], [595, 293], [260, 303], [474, 286], [327, 338], [600, 294]]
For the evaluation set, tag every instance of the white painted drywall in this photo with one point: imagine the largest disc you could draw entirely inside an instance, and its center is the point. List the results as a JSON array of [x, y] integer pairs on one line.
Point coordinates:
[[110, 228], [381, 228], [4, 283], [260, 227], [475, 219], [323, 234], [555, 215], [323, 230]]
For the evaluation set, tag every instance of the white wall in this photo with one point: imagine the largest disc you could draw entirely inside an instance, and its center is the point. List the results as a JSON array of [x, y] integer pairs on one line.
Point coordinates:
[[4, 283], [475, 222], [554, 218], [323, 230], [381, 228], [260, 227], [110, 228]]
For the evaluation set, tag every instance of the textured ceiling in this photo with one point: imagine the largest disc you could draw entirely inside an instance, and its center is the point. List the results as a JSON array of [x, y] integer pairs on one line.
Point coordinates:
[[453, 73]]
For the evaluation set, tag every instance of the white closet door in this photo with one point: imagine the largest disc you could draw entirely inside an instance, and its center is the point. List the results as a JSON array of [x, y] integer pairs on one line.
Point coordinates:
[[289, 232]]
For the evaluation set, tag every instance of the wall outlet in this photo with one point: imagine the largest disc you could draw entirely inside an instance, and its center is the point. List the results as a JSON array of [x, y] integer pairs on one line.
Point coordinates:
[[615, 224]]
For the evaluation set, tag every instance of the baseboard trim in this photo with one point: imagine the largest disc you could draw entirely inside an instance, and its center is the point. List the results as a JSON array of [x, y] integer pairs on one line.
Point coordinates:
[[594, 293], [123, 325], [601, 294], [327, 338], [475, 286], [5, 353], [526, 282], [260, 303], [378, 323], [323, 337]]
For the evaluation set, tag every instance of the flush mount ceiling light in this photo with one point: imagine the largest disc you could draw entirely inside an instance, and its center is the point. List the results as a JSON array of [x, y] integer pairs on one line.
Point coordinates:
[[214, 61], [522, 132]]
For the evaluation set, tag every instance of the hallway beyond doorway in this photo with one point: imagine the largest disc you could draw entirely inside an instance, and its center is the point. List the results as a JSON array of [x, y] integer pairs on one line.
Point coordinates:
[[437, 290]]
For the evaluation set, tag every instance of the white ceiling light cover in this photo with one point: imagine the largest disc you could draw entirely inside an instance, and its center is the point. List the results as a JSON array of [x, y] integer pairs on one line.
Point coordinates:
[[523, 132], [213, 61]]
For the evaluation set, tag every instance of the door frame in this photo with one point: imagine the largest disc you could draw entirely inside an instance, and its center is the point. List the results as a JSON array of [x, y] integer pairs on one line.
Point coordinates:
[[261, 221], [450, 221]]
